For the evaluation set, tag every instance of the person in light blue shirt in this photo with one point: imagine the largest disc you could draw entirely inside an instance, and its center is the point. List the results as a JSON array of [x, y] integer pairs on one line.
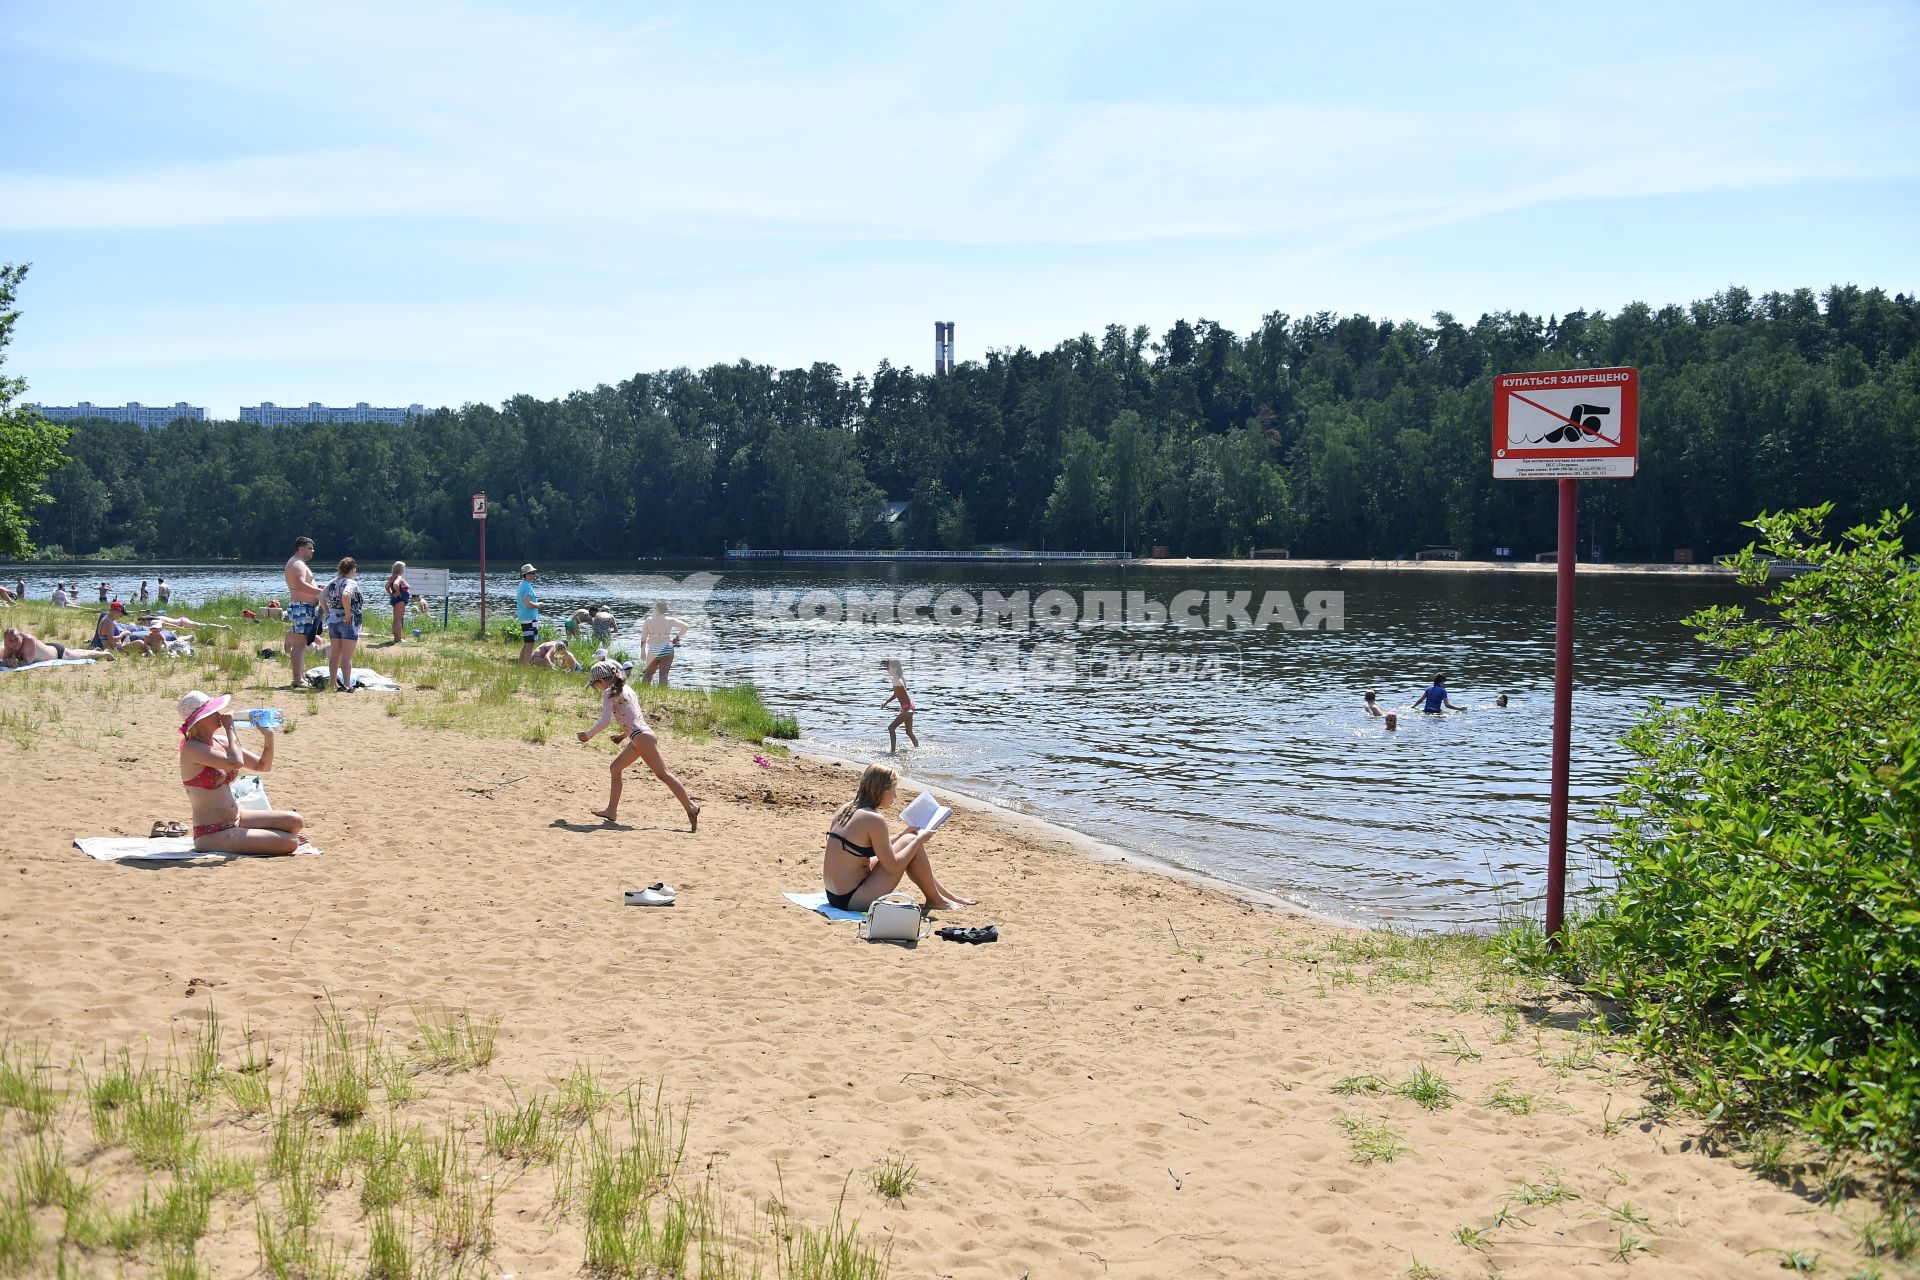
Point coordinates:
[[526, 607], [1434, 701]]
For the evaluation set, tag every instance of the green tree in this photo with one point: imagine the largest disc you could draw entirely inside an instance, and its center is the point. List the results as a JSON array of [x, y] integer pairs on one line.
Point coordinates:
[[30, 446], [1075, 509]]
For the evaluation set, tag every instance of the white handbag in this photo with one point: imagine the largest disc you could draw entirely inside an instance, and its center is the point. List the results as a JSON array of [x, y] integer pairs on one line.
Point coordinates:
[[893, 917]]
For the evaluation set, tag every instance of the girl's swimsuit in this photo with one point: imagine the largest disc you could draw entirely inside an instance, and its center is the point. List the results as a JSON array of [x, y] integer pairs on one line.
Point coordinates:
[[625, 708], [841, 901], [906, 699]]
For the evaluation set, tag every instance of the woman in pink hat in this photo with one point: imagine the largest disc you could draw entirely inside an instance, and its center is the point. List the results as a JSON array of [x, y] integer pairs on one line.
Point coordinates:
[[210, 759]]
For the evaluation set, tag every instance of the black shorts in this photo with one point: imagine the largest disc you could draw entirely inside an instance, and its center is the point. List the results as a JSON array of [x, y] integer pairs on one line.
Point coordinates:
[[529, 631]]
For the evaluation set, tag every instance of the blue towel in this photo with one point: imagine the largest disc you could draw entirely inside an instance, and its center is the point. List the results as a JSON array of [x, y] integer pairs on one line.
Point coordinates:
[[53, 662], [817, 902]]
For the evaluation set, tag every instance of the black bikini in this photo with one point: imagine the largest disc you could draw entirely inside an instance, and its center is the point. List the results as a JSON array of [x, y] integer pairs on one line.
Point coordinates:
[[843, 901]]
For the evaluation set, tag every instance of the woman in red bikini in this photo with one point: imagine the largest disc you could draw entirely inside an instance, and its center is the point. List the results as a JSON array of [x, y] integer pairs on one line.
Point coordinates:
[[210, 759]]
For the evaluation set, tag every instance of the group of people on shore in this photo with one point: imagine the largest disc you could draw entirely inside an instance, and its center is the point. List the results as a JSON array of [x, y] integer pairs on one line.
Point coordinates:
[[113, 633], [66, 595], [337, 610], [863, 858]]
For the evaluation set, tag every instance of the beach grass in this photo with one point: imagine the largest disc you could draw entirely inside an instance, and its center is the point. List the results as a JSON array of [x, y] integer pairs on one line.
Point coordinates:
[[1372, 1141], [895, 1177], [344, 1178], [449, 680]]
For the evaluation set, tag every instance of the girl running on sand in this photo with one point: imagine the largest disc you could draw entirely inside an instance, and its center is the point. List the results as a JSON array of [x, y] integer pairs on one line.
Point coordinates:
[[617, 702], [905, 719]]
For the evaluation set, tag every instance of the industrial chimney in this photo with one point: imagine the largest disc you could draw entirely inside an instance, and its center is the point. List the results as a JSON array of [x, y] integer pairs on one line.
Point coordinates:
[[943, 346]]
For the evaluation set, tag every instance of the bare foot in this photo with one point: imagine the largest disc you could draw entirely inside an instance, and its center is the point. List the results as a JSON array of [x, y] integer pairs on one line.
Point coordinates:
[[693, 818], [952, 904], [608, 814]]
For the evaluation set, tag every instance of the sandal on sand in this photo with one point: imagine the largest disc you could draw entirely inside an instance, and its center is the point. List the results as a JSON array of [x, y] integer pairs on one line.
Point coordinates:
[[167, 831], [654, 895], [978, 933]]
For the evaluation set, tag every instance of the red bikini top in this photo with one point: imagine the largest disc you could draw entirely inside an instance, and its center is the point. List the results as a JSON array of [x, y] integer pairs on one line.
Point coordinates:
[[210, 778]]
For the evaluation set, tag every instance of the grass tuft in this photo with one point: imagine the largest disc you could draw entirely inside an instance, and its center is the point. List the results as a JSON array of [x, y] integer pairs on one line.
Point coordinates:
[[894, 1177], [1348, 1086], [1427, 1088], [1372, 1141], [527, 1132], [24, 1086]]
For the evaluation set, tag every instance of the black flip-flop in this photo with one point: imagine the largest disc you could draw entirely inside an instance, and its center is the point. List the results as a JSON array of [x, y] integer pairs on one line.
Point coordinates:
[[978, 933]]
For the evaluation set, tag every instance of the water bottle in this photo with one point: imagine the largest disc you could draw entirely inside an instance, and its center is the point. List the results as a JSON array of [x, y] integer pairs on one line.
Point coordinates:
[[265, 717]]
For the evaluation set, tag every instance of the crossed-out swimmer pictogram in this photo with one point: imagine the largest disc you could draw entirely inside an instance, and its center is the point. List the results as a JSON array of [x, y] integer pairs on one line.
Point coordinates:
[[1582, 422]]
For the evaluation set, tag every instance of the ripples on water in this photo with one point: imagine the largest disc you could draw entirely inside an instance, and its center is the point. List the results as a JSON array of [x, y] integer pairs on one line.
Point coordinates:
[[1256, 765]]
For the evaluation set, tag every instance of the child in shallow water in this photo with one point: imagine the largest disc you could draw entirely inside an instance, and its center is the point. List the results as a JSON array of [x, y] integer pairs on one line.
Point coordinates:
[[904, 720]]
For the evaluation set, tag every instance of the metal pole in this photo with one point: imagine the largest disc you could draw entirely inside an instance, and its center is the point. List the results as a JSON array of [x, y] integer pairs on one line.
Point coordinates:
[[1562, 710]]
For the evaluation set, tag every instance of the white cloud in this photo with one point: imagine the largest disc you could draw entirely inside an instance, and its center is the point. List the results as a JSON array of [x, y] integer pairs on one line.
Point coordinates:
[[557, 120]]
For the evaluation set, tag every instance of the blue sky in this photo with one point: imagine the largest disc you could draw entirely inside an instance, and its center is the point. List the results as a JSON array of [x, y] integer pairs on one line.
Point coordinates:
[[459, 201]]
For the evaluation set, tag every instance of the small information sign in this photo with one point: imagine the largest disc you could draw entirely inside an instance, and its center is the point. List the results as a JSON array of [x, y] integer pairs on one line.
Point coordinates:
[[479, 506], [431, 583], [1568, 424]]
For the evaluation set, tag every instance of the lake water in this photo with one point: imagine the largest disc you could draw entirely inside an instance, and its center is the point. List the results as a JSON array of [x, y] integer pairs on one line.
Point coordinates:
[[1240, 753]]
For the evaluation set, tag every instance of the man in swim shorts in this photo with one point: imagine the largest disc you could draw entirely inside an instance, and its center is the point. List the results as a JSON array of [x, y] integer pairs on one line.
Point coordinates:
[[23, 648], [303, 614]]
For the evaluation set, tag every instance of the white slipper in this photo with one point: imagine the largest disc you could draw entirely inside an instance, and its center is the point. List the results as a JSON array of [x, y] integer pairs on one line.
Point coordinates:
[[657, 895]]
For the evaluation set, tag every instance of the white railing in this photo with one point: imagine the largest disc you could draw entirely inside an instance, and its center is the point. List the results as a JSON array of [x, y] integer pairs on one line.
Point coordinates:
[[756, 553]]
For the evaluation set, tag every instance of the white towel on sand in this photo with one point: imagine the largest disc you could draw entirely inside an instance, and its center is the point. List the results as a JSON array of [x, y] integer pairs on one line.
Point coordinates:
[[152, 849], [363, 678], [249, 792]]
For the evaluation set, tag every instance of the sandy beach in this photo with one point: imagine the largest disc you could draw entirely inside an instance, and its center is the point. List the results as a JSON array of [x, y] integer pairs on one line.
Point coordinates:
[[1137, 1080]]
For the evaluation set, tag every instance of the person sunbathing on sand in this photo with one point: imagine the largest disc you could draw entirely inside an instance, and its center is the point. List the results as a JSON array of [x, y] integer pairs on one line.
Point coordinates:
[[867, 860], [210, 759], [23, 648], [111, 635], [617, 702]]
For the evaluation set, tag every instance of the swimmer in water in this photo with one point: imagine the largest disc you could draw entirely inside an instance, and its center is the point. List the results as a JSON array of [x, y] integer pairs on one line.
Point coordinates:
[[1434, 701], [1373, 708]]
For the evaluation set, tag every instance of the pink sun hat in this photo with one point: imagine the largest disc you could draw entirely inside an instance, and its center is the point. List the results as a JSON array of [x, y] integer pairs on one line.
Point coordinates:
[[197, 706]]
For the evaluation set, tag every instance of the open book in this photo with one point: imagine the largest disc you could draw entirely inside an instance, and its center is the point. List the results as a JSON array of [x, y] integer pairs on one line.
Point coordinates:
[[925, 813]]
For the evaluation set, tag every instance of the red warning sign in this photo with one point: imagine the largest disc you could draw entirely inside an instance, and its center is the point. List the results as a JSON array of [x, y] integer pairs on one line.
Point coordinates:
[[1569, 424]]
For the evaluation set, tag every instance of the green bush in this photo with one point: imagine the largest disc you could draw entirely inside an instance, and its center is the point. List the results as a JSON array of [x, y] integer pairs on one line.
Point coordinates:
[[1764, 930]]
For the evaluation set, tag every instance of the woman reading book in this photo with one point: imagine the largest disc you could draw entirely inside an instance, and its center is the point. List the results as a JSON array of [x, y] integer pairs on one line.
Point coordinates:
[[864, 859]]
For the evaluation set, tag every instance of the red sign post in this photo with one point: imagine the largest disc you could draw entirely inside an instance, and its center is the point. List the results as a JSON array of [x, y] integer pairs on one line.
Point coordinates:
[[1565, 425], [480, 514]]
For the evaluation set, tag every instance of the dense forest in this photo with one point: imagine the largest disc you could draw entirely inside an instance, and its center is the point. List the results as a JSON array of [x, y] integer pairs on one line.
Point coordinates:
[[1325, 435]]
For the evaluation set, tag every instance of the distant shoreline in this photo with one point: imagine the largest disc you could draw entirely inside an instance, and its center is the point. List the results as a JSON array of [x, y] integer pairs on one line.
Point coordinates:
[[1583, 568], [93, 569]]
